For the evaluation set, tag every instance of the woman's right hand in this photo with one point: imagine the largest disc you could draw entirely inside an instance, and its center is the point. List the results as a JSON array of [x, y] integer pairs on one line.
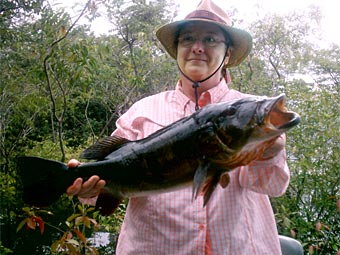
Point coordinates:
[[87, 191]]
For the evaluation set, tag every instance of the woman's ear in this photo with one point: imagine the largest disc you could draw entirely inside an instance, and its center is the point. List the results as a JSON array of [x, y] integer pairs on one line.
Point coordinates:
[[227, 56], [226, 60], [226, 74]]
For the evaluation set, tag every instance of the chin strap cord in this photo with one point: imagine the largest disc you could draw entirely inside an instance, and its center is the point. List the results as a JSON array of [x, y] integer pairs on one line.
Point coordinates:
[[197, 84]]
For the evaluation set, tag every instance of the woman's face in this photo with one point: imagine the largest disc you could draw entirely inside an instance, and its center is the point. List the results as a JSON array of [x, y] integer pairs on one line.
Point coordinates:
[[201, 50]]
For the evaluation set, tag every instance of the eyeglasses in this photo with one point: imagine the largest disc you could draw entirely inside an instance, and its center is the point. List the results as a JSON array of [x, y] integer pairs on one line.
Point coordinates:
[[188, 41]]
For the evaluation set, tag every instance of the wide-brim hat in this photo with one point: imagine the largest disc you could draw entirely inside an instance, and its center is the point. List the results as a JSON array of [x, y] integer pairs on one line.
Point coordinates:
[[208, 11]]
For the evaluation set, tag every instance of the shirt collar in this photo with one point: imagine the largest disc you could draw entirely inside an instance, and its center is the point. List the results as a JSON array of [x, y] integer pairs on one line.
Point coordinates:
[[216, 93], [188, 107]]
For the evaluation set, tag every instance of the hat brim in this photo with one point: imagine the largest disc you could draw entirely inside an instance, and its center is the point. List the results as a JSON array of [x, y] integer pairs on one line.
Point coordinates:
[[241, 40]]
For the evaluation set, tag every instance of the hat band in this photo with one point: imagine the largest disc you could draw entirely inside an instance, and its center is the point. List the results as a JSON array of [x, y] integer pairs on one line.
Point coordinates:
[[203, 14]]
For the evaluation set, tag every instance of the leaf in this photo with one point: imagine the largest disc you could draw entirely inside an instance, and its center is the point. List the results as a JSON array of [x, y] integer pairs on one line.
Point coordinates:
[[80, 235], [91, 209], [94, 222], [45, 211], [21, 224], [69, 235], [55, 246], [286, 222], [93, 251], [69, 224], [27, 210], [83, 220], [40, 222], [70, 246], [31, 223], [62, 30], [80, 207], [87, 221], [72, 217], [72, 241], [79, 220]]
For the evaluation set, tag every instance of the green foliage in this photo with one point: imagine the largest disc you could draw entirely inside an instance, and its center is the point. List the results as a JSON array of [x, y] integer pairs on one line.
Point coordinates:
[[314, 189], [71, 236], [72, 232], [4, 250], [327, 69], [74, 239], [313, 147]]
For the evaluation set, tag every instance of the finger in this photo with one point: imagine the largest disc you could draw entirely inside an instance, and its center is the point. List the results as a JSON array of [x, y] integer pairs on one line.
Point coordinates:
[[73, 163], [90, 183], [75, 187], [274, 149], [90, 198], [91, 187], [100, 184]]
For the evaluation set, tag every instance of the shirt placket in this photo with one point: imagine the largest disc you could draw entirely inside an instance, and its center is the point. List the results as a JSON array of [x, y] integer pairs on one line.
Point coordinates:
[[201, 225]]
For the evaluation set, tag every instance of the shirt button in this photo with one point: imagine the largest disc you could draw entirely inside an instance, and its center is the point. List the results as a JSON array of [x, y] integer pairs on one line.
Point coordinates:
[[201, 227]]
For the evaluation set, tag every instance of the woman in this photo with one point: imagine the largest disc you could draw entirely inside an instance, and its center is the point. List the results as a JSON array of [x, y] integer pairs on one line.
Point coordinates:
[[238, 219]]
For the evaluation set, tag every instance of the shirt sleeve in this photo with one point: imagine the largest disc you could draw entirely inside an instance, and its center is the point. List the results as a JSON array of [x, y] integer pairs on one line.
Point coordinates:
[[137, 122], [269, 177], [125, 127]]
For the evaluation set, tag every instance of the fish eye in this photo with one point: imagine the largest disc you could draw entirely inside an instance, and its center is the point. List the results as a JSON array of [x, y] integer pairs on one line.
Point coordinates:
[[230, 111]]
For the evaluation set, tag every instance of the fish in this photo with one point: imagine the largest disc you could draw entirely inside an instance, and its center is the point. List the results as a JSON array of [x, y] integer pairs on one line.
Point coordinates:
[[198, 151]]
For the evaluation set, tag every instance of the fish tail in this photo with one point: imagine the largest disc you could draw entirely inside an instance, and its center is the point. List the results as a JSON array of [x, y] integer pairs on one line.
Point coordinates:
[[107, 201], [43, 180]]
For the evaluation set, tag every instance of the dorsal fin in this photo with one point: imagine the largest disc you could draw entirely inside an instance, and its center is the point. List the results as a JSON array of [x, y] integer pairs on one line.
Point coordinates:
[[103, 147]]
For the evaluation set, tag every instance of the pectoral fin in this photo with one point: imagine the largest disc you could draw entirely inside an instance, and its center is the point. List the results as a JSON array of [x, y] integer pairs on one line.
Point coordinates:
[[199, 178], [209, 187], [206, 185]]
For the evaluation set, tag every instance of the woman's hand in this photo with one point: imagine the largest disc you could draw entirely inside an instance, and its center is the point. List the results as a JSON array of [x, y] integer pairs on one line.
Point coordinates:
[[87, 191], [278, 145]]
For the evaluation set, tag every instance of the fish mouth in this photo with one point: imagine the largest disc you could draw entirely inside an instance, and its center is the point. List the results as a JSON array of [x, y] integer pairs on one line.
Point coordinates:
[[278, 116]]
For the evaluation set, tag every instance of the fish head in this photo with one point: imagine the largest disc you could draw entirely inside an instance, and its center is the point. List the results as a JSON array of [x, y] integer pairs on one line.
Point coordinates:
[[251, 124]]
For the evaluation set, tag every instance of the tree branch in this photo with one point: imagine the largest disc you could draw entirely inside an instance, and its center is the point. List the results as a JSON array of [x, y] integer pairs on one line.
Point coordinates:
[[47, 67]]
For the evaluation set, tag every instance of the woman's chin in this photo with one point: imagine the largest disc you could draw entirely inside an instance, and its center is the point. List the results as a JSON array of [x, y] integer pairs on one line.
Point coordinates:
[[195, 73]]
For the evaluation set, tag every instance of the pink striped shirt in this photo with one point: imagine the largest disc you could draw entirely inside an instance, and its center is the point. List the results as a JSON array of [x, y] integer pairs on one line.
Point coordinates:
[[238, 220]]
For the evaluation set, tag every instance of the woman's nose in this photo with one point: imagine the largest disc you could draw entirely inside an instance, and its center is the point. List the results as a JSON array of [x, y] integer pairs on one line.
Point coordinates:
[[198, 46]]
